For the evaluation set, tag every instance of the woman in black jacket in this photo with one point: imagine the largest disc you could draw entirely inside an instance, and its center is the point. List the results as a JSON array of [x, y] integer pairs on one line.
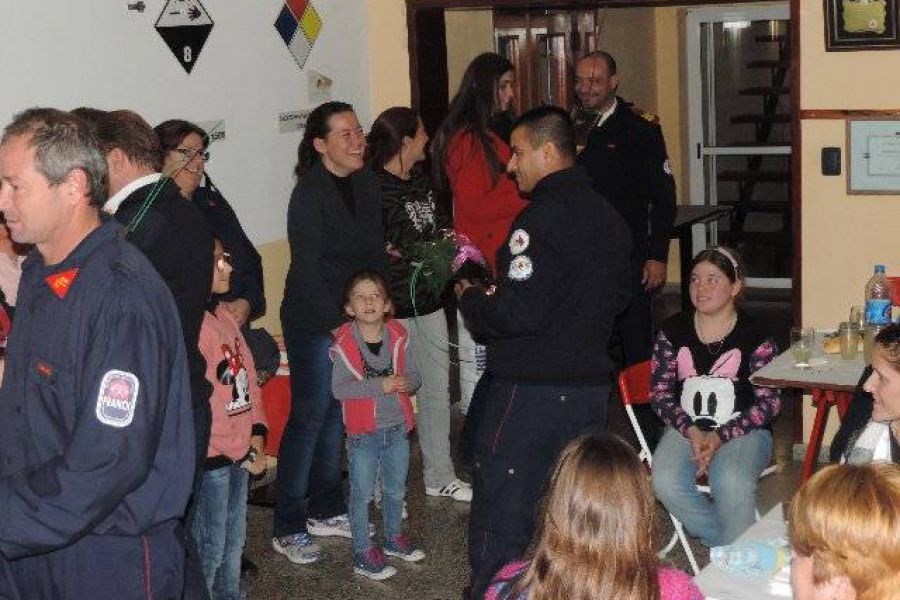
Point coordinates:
[[334, 230], [871, 428], [396, 145], [186, 150]]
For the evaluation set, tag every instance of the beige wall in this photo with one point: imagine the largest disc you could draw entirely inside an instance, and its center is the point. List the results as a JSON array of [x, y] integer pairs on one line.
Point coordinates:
[[469, 33], [835, 272], [388, 54], [629, 35]]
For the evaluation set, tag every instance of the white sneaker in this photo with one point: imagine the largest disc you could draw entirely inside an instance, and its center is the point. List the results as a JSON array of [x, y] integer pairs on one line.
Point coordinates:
[[298, 548], [338, 526], [456, 489]]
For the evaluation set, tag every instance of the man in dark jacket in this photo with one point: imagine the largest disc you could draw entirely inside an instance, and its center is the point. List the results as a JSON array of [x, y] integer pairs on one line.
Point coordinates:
[[168, 230], [563, 279], [95, 427]]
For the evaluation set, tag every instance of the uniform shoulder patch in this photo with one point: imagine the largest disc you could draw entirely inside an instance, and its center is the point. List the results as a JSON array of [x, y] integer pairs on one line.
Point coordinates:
[[645, 114], [518, 241], [520, 268], [117, 398]]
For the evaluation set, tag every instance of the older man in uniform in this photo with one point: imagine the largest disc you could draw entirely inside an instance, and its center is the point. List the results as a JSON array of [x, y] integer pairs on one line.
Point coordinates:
[[563, 279], [625, 156], [96, 434]]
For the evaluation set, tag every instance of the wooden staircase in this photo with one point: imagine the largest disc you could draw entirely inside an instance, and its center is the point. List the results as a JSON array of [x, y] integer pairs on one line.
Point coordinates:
[[748, 197]]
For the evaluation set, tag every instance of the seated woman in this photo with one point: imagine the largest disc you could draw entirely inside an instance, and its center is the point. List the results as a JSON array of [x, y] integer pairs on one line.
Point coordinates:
[[845, 532], [870, 430], [596, 537], [717, 422]]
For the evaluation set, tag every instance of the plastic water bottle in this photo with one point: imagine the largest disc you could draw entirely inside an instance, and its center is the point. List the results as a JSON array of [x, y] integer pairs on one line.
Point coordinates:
[[755, 559], [878, 299]]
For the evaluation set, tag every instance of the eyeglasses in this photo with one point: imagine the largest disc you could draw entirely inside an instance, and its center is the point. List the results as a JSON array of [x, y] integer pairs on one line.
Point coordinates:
[[189, 153], [373, 297]]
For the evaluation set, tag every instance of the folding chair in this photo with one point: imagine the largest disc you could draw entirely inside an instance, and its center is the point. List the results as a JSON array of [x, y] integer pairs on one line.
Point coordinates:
[[634, 389]]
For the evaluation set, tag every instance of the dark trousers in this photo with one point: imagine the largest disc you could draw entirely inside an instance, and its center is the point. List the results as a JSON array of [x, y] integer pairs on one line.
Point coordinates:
[[148, 566], [633, 333], [309, 459], [521, 432]]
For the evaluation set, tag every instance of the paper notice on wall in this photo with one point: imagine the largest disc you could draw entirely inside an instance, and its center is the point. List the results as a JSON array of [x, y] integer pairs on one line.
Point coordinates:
[[292, 120], [318, 87], [884, 155], [214, 129]]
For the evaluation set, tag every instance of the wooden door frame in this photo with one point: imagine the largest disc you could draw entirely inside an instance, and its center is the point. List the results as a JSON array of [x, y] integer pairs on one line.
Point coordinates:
[[434, 9]]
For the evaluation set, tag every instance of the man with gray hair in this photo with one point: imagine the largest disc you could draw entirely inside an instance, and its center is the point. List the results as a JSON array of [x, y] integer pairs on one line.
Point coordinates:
[[96, 437]]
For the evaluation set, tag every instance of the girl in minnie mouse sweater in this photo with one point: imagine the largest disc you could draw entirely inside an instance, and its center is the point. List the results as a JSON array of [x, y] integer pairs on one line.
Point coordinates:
[[235, 444], [718, 423]]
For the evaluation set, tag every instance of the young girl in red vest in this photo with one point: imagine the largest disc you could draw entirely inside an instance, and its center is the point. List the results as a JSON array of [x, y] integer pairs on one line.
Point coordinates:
[[374, 375]]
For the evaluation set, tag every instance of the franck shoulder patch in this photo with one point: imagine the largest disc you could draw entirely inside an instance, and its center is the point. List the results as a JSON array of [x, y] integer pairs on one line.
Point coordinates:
[[521, 268], [117, 398], [518, 241]]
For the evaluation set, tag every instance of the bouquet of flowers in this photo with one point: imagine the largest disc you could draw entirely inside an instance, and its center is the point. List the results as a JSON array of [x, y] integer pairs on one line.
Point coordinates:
[[452, 256]]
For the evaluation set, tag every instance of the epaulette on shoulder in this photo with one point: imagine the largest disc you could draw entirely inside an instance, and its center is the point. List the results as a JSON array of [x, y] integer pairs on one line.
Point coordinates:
[[645, 114]]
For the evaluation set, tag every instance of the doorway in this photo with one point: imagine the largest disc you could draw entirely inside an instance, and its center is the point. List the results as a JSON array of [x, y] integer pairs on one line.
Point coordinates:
[[739, 128]]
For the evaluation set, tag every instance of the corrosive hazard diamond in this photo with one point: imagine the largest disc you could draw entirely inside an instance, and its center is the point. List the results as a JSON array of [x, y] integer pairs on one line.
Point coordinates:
[[184, 25], [299, 25]]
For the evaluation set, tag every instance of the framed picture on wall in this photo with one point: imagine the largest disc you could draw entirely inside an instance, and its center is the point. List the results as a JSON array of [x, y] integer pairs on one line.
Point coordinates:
[[861, 25]]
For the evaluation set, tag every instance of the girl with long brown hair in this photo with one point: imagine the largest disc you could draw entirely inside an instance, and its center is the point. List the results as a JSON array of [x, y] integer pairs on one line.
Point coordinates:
[[596, 537]]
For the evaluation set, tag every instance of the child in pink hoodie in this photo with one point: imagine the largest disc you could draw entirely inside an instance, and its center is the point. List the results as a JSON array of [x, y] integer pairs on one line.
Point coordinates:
[[235, 443]]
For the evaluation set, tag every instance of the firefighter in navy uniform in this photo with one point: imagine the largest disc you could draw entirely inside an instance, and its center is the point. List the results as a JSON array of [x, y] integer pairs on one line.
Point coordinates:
[[626, 159], [96, 433], [563, 279]]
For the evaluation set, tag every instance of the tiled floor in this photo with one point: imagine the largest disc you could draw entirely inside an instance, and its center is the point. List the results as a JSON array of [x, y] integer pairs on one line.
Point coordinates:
[[439, 525]]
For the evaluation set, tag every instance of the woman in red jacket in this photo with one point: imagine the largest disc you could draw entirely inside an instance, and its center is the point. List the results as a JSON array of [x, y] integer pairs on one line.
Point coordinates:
[[469, 157]]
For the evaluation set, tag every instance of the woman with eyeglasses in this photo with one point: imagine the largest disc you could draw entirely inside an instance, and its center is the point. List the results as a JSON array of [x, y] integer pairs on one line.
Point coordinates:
[[334, 230], [186, 150]]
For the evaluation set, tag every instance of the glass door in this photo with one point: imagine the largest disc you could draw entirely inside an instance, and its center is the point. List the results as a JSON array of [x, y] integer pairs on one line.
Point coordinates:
[[740, 133]]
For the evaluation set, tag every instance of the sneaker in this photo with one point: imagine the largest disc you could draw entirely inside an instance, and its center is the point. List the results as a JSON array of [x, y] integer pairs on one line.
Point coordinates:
[[401, 547], [338, 526], [298, 548], [372, 564], [456, 489]]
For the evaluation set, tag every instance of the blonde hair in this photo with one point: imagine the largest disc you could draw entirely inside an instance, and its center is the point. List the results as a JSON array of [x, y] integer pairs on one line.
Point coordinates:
[[847, 518], [596, 537]]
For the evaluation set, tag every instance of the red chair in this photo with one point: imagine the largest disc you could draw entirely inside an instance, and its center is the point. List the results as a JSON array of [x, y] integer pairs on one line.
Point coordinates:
[[634, 390]]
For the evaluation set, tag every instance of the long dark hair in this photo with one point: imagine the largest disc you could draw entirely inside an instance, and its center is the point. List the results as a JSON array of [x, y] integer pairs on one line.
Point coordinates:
[[473, 108], [385, 139], [317, 126]]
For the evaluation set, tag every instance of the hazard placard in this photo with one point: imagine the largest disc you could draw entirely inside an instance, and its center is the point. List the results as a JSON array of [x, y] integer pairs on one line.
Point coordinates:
[[184, 25]]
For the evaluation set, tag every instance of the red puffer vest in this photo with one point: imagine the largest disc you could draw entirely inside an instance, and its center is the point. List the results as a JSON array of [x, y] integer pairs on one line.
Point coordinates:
[[359, 413]]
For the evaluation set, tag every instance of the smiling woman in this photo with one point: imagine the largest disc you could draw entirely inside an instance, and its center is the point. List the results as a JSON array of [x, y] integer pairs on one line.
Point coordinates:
[[334, 230]]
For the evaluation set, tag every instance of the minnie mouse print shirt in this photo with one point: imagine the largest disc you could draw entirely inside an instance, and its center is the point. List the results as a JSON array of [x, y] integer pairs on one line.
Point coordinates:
[[708, 385]]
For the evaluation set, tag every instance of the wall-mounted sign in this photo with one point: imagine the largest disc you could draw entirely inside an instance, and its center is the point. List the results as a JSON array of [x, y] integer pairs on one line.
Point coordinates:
[[292, 120], [214, 129], [299, 25], [873, 156], [318, 88], [184, 25]]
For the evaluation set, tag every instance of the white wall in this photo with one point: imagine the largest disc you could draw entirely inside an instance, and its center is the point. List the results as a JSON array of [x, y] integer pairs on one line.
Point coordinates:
[[65, 54]]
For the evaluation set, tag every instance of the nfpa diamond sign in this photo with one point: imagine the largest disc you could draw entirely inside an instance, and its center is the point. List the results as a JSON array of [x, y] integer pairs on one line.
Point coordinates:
[[184, 25], [299, 24]]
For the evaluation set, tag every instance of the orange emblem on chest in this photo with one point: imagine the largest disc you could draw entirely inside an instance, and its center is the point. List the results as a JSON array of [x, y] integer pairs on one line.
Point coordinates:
[[61, 282]]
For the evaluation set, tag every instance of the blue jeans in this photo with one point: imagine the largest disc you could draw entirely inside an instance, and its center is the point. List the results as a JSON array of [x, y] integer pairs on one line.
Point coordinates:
[[309, 459], [219, 529], [388, 449], [733, 476]]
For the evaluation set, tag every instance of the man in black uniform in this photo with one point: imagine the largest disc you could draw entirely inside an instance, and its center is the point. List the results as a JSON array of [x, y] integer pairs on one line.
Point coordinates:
[[95, 428], [563, 279], [625, 156]]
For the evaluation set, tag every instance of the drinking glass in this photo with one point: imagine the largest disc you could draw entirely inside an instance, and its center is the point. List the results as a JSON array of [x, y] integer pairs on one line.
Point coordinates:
[[857, 316], [802, 339], [869, 333], [848, 336]]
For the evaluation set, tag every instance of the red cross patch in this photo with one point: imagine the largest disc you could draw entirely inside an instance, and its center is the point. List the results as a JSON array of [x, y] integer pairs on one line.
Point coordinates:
[[60, 283]]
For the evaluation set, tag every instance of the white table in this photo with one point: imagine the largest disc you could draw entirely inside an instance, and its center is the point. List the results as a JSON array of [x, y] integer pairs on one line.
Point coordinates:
[[718, 584]]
